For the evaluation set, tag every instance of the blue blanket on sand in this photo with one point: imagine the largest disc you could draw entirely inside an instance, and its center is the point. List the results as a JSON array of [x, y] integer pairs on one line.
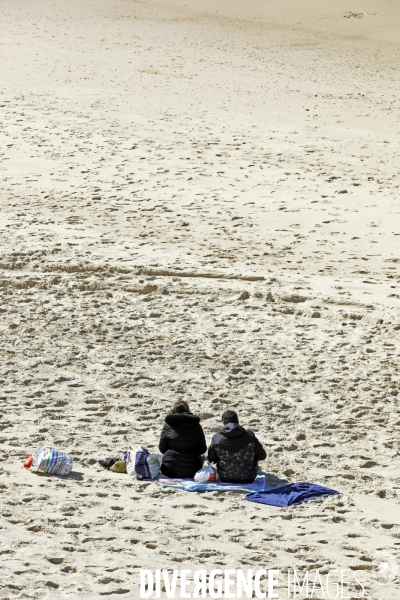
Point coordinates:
[[289, 495], [189, 485]]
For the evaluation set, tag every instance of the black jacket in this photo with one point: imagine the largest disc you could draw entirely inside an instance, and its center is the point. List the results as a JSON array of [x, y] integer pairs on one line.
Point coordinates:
[[182, 441], [236, 452]]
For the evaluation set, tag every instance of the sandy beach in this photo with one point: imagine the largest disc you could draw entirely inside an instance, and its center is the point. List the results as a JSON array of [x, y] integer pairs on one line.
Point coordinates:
[[198, 201]]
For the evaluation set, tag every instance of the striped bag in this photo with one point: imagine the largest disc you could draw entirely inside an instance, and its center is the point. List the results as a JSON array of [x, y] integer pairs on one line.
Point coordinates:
[[52, 462]]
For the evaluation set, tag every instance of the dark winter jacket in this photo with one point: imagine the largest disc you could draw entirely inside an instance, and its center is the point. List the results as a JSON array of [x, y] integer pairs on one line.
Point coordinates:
[[236, 452], [182, 441]]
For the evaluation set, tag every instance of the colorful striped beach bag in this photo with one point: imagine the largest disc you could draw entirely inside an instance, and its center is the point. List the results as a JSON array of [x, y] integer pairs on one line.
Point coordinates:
[[52, 462]]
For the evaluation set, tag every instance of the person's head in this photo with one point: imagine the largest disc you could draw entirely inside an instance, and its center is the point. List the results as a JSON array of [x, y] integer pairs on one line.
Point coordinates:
[[179, 406], [230, 416]]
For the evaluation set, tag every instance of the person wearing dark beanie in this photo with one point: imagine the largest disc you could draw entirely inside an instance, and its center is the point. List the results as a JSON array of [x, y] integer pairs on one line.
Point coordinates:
[[236, 451]]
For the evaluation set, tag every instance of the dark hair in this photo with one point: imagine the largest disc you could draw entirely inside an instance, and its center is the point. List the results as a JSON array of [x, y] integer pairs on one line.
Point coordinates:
[[230, 416], [179, 406]]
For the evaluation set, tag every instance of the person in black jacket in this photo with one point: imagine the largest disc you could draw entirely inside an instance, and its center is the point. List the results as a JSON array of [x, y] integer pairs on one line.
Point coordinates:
[[236, 451], [182, 442]]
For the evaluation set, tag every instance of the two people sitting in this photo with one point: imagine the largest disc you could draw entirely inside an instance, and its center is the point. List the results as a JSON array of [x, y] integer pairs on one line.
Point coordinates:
[[234, 450]]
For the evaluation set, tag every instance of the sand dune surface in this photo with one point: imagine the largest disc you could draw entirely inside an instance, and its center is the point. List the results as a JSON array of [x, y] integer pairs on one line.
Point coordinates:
[[198, 201]]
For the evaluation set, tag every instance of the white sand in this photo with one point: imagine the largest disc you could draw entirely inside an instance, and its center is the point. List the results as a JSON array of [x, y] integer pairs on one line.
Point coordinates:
[[157, 161]]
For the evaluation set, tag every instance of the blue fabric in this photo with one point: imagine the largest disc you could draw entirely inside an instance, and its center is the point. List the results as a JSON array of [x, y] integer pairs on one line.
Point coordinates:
[[292, 494], [189, 485]]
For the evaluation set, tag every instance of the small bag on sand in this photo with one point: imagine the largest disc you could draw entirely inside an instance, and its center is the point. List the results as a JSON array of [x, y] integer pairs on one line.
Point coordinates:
[[118, 467], [206, 474], [52, 462], [141, 463], [154, 461]]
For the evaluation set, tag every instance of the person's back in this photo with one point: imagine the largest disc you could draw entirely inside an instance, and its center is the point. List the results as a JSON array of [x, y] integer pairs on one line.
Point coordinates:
[[236, 451], [182, 442]]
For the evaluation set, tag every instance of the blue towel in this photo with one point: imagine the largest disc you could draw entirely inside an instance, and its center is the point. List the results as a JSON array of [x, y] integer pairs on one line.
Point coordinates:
[[292, 494], [189, 485]]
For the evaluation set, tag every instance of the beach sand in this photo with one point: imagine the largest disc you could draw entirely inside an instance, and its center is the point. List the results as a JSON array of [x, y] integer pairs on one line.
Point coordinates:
[[198, 201]]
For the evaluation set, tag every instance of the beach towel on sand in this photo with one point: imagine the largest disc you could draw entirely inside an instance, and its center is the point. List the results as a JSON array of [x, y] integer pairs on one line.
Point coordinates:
[[290, 495], [189, 485]]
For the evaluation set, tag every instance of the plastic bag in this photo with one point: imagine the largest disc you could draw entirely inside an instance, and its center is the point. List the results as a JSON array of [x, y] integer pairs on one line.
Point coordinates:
[[154, 462], [141, 463], [52, 462], [206, 474]]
